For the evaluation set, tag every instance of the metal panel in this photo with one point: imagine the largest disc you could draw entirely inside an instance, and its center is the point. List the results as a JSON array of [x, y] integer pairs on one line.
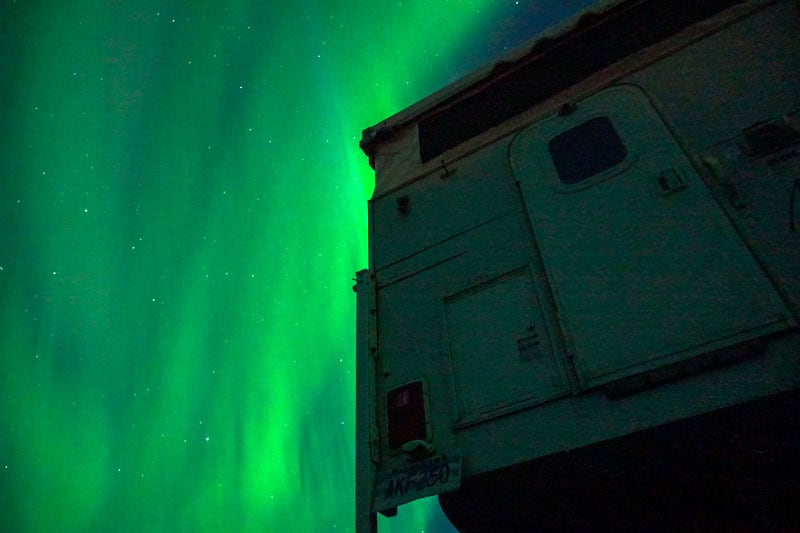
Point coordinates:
[[499, 348], [456, 198], [763, 196]]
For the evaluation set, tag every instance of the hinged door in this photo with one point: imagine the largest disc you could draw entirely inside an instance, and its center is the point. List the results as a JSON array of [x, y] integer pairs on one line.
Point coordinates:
[[644, 266]]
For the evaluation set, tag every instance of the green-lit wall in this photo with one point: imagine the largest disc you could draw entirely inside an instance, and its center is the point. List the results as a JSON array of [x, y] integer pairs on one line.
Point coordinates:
[[182, 209]]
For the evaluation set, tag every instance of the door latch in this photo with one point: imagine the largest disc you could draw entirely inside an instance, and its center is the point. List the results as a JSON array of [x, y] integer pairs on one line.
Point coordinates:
[[669, 182]]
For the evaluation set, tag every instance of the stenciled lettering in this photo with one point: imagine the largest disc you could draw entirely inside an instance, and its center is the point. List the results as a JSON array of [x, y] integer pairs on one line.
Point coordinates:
[[444, 473], [397, 485], [401, 484]]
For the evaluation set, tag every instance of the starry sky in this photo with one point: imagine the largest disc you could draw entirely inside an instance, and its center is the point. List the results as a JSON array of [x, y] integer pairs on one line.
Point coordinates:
[[182, 210]]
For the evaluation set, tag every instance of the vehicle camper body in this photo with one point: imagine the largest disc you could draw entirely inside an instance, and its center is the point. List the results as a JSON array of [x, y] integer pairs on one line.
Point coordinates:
[[583, 289]]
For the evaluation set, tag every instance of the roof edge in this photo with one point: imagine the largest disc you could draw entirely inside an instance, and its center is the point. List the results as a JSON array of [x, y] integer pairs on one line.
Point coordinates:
[[471, 82]]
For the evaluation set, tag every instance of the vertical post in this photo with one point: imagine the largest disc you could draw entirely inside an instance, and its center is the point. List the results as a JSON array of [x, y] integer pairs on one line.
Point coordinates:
[[366, 520]]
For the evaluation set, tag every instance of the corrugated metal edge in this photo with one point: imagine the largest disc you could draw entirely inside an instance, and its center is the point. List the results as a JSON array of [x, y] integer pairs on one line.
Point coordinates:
[[386, 128]]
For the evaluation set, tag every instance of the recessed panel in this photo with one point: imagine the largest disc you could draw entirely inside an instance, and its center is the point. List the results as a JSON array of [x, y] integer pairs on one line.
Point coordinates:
[[500, 351]]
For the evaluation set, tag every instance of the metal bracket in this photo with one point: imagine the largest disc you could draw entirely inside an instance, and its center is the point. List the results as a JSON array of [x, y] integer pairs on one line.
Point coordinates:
[[446, 171]]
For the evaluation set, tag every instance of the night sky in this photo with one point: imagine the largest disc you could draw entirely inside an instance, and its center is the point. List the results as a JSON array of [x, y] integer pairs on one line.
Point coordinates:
[[182, 210]]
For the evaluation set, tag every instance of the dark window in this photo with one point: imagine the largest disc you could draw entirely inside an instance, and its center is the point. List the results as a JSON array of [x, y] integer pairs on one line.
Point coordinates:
[[555, 64], [586, 150]]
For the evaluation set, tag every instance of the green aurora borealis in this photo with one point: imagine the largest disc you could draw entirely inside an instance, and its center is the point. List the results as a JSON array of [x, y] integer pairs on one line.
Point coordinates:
[[183, 206]]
